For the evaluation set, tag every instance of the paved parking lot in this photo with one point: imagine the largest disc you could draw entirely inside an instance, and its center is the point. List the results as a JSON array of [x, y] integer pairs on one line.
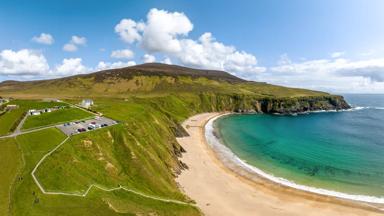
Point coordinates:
[[71, 128]]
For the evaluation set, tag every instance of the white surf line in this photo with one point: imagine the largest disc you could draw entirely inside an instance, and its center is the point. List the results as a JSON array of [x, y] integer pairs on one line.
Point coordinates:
[[94, 185]]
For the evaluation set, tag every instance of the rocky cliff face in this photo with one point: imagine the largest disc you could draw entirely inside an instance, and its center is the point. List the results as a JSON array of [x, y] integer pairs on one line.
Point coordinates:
[[299, 105], [249, 104]]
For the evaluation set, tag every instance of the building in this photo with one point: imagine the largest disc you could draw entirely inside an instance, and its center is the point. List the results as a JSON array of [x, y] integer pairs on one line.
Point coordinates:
[[87, 103], [12, 106], [35, 113]]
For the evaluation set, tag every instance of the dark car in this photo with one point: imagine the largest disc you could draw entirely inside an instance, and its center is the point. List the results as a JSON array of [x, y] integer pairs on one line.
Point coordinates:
[[90, 128], [83, 129], [79, 130]]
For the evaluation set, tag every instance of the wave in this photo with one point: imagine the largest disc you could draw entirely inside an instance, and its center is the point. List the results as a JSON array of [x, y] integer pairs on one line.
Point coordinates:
[[366, 107], [227, 154], [353, 108]]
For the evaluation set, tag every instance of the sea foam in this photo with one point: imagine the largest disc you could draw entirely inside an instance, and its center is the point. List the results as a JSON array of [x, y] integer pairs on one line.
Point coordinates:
[[225, 152]]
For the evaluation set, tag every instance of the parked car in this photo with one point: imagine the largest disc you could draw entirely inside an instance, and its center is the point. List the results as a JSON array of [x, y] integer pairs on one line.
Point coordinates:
[[90, 128], [79, 130]]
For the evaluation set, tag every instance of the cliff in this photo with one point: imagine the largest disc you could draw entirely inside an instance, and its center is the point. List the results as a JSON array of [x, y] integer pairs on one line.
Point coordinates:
[[252, 104]]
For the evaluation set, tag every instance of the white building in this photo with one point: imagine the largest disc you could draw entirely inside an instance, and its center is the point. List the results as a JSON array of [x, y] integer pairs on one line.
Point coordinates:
[[34, 112], [87, 103], [12, 106]]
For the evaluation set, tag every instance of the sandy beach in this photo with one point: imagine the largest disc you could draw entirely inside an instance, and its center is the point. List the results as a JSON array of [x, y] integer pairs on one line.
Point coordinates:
[[218, 190]]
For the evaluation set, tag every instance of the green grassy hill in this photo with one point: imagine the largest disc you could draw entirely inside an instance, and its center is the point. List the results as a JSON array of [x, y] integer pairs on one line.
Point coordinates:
[[144, 79], [141, 153]]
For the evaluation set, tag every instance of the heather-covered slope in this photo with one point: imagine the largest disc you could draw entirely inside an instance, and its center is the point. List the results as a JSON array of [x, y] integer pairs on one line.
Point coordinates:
[[144, 79]]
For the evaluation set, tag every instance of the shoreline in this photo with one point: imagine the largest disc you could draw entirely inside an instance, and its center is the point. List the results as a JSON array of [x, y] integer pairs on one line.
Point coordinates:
[[224, 152], [222, 188]]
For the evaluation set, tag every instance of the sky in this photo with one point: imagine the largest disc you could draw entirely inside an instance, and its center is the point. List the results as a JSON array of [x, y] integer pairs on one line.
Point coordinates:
[[327, 45]]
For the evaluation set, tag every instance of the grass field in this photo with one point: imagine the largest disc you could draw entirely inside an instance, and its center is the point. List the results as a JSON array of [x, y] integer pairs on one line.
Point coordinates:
[[9, 120], [28, 200], [10, 164], [55, 117]]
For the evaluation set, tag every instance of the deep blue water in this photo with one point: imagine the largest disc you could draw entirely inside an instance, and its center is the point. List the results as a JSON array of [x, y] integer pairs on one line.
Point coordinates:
[[339, 151]]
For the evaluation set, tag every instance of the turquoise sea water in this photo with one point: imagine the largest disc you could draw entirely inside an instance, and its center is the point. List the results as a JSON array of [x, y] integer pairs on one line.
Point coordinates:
[[338, 151]]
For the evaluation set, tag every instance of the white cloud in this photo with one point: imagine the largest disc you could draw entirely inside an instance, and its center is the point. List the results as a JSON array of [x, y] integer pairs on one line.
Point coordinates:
[[70, 66], [70, 47], [149, 58], [163, 29], [340, 75], [44, 38], [122, 54], [108, 65], [73, 44], [166, 33], [368, 53], [129, 30], [372, 68], [337, 54], [78, 40], [167, 61], [22, 62], [211, 54]]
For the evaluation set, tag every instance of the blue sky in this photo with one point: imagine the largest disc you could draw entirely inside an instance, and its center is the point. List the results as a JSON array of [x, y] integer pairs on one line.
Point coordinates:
[[327, 45]]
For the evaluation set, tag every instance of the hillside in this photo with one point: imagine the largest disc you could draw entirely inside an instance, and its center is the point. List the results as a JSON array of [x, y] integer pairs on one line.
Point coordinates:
[[140, 153], [143, 79]]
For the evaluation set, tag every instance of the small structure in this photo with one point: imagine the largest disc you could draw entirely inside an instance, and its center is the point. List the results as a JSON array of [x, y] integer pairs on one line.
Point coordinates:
[[12, 106], [34, 112], [86, 103]]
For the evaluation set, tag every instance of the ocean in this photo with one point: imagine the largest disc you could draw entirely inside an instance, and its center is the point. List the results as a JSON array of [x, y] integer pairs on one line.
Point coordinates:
[[334, 153]]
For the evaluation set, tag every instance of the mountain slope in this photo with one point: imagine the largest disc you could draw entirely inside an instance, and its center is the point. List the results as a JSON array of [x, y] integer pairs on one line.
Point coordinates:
[[147, 78]]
